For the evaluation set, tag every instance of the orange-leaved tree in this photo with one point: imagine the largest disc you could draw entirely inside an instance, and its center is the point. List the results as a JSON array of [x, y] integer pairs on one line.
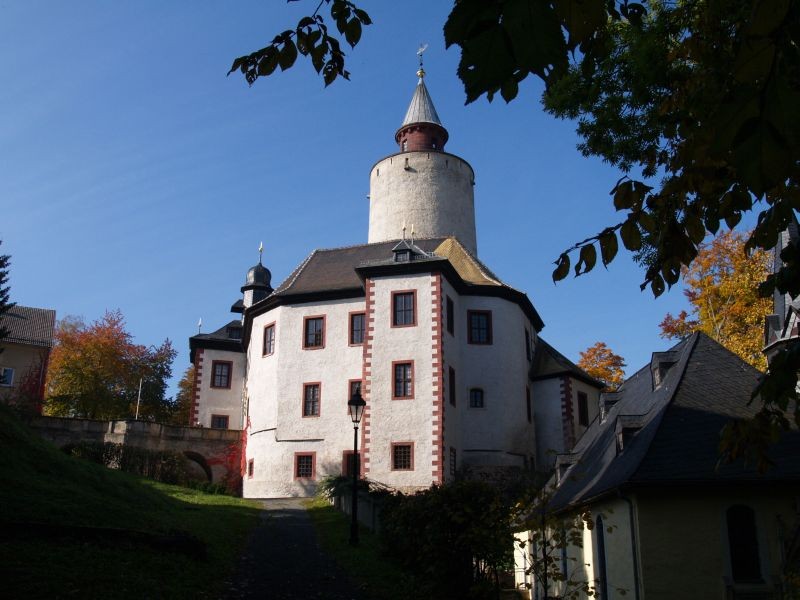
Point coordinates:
[[721, 286], [184, 398], [95, 371], [603, 364]]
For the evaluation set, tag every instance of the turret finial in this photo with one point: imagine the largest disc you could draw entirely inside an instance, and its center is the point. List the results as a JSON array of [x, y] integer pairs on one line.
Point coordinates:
[[420, 52], [260, 251]]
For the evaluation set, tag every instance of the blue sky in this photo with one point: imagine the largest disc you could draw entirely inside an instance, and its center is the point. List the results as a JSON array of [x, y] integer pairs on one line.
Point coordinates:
[[135, 175]]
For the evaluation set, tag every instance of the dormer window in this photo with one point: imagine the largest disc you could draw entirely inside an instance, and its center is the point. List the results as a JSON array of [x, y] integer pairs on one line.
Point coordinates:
[[402, 256], [235, 333]]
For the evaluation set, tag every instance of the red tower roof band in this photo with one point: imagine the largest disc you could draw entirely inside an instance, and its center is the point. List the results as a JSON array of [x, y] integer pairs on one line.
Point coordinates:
[[421, 129]]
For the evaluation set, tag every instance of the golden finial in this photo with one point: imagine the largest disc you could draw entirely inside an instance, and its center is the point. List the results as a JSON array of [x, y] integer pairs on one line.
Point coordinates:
[[420, 52]]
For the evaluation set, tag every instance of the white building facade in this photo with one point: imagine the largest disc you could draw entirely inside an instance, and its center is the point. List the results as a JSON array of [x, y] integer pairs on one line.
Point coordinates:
[[441, 350]]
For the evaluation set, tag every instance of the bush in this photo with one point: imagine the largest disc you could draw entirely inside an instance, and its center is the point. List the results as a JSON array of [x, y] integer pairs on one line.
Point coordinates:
[[161, 465], [455, 537], [336, 486]]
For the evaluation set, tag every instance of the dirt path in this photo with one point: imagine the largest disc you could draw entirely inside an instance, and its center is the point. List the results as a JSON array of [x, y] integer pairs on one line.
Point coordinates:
[[284, 562]]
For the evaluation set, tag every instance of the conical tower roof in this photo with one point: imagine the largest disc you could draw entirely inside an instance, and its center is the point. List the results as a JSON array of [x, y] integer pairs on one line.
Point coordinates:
[[421, 109]]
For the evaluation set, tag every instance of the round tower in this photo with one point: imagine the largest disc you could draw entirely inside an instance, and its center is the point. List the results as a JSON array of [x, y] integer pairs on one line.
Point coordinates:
[[257, 285], [422, 185]]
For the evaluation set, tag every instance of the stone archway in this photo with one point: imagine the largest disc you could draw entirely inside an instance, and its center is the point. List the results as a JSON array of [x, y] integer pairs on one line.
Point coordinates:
[[198, 466]]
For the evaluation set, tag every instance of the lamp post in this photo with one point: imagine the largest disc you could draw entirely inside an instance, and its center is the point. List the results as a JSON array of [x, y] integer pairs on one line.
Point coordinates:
[[356, 407]]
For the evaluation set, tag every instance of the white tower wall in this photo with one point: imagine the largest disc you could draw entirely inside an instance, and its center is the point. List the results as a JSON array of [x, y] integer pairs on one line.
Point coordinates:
[[433, 191]]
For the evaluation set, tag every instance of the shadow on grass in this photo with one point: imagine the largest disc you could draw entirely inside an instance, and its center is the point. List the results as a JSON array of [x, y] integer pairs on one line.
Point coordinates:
[[76, 529], [366, 564]]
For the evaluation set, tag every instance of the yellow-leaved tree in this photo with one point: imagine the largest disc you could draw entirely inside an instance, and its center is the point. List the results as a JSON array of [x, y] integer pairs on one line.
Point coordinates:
[[721, 286], [603, 364]]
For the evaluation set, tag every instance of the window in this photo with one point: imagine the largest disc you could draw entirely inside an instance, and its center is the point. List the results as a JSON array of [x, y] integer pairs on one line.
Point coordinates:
[[350, 461], [601, 558], [479, 326], [305, 465], [221, 373], [250, 468], [403, 305], [452, 387], [476, 398], [6, 376], [357, 328], [269, 340], [453, 462], [235, 333], [355, 386], [743, 544], [528, 402], [311, 399], [219, 421], [583, 409], [403, 380], [451, 321], [528, 345], [405, 145], [403, 456], [314, 332]]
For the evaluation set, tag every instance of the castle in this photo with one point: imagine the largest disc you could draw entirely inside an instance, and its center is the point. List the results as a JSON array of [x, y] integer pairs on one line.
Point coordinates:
[[447, 357]]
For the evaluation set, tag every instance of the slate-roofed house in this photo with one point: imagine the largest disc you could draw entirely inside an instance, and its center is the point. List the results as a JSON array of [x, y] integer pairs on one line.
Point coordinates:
[[681, 526], [439, 346], [25, 352]]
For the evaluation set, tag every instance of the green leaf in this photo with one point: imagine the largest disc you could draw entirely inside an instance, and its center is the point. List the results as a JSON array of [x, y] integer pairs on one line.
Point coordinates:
[[509, 89], [353, 32], [581, 18], [562, 267], [269, 62], [631, 236], [535, 33], [623, 195], [288, 55], [362, 16], [608, 247], [586, 260], [695, 229]]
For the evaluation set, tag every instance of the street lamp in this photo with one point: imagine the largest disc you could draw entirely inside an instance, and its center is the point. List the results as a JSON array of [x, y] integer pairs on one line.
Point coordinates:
[[356, 407]]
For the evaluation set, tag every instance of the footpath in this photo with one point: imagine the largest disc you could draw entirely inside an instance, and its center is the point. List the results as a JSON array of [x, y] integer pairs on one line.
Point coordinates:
[[283, 560]]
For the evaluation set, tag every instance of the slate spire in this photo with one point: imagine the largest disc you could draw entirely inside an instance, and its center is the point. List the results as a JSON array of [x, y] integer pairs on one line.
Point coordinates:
[[421, 130]]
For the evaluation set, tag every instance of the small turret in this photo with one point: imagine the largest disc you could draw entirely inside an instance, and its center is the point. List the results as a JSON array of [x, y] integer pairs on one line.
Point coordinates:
[[257, 285]]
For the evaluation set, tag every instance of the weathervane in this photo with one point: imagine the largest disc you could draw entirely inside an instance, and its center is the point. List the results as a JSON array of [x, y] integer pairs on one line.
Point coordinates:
[[260, 251], [420, 52], [199, 324]]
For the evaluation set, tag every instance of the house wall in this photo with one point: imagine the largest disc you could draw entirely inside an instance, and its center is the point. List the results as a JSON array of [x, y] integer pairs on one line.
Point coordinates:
[[546, 395], [274, 394], [219, 401], [697, 528], [593, 399], [24, 360]]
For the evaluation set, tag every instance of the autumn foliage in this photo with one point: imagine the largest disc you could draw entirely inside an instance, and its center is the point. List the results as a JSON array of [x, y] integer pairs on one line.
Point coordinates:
[[95, 370], [721, 286], [600, 362]]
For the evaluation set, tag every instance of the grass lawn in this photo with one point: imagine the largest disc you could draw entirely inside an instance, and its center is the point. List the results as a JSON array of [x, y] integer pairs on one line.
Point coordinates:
[[40, 485], [377, 574]]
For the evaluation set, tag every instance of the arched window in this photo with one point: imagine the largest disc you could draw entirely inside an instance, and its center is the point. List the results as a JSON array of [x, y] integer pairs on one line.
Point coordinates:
[[602, 572], [743, 544]]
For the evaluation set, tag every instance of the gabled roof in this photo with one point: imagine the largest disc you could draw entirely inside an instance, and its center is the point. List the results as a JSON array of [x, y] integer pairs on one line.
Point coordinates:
[[549, 362], [337, 274], [673, 429], [421, 109], [27, 325]]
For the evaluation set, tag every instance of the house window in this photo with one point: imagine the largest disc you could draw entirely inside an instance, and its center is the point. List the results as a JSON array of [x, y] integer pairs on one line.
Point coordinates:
[[6, 376], [583, 409], [528, 345], [601, 558], [311, 399], [451, 321], [219, 421], [403, 305], [453, 462], [743, 544], [405, 145], [403, 456], [357, 328], [221, 373], [250, 468], [476, 398], [350, 461], [305, 465], [452, 387], [479, 327], [403, 380], [314, 332], [355, 386], [528, 402], [269, 340]]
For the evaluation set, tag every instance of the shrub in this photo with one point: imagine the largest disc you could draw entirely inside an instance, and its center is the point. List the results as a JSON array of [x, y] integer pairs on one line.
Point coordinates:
[[161, 465], [455, 537]]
